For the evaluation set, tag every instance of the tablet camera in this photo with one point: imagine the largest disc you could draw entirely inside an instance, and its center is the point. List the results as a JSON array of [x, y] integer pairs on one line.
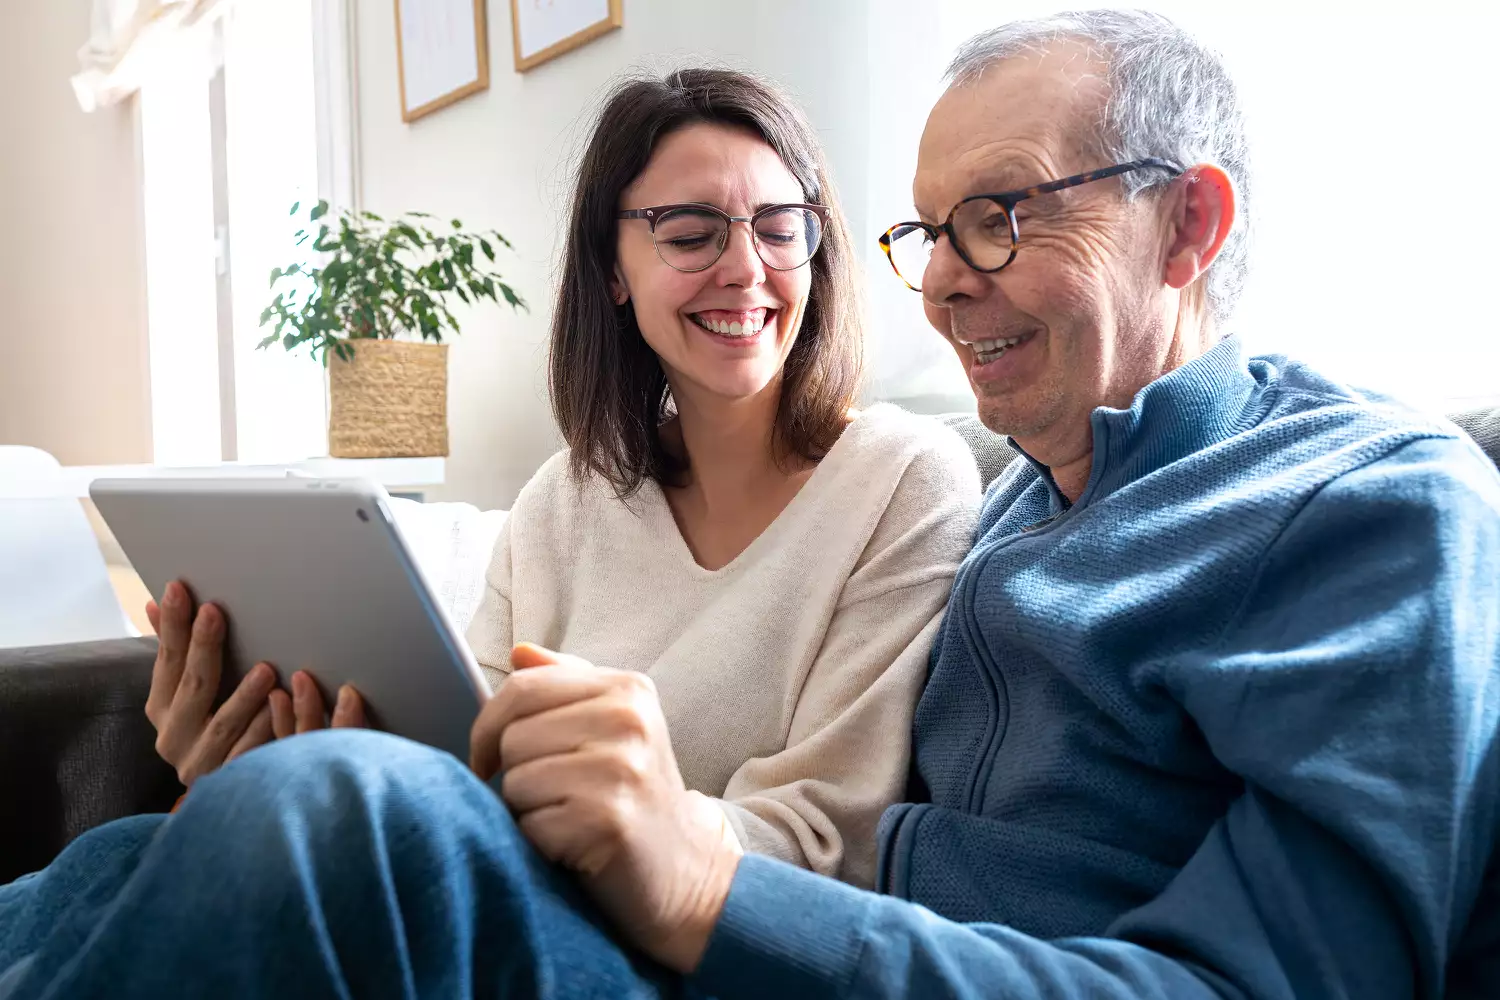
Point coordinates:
[[362, 515]]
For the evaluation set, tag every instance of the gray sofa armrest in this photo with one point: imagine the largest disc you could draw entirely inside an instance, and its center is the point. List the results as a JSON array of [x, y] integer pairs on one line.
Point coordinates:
[[76, 746]]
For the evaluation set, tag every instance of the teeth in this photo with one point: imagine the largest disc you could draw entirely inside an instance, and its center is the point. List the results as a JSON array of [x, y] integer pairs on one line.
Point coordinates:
[[986, 351], [732, 329], [988, 346]]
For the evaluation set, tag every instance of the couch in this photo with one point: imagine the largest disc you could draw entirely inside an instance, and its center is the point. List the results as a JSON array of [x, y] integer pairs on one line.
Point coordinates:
[[78, 750]]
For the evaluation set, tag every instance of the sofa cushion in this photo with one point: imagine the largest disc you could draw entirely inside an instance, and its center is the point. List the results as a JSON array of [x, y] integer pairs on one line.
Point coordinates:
[[77, 746], [992, 452], [1484, 427]]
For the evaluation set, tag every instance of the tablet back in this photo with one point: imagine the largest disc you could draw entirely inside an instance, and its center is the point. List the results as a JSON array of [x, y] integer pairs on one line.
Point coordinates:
[[312, 575]]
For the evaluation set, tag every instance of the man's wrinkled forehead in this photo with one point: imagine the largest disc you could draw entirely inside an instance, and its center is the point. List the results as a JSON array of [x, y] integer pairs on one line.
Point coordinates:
[[1028, 118]]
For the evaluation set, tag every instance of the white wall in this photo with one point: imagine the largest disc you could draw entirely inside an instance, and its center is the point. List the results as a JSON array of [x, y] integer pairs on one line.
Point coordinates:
[[73, 362], [503, 159]]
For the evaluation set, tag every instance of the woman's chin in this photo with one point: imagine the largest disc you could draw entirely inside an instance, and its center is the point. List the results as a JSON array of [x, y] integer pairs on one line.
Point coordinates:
[[732, 386]]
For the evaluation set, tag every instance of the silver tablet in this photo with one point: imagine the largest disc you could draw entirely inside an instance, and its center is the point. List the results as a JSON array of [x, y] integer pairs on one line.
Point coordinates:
[[312, 575]]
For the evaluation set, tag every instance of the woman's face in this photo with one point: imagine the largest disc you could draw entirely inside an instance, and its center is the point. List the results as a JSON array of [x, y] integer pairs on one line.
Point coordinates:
[[736, 172]]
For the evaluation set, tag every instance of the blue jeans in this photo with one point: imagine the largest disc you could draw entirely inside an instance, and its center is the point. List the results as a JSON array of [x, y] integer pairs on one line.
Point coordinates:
[[346, 864]]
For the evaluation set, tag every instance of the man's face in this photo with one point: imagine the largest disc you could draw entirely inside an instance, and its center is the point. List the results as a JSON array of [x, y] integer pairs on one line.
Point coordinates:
[[1083, 299]]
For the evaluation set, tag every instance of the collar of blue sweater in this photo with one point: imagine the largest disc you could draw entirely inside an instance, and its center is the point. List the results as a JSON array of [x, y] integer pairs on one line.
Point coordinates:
[[1186, 410]]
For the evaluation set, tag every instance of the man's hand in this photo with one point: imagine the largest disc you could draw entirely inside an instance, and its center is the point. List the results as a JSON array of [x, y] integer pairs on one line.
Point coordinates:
[[590, 774]]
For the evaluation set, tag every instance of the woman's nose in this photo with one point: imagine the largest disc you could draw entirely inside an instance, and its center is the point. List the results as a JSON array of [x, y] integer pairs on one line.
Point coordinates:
[[740, 263]]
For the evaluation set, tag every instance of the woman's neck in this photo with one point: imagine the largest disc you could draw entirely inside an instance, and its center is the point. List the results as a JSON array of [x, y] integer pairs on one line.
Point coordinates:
[[735, 487], [730, 445]]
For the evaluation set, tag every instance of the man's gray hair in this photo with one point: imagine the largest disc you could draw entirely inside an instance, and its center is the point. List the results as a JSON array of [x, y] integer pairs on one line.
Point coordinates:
[[1169, 96]]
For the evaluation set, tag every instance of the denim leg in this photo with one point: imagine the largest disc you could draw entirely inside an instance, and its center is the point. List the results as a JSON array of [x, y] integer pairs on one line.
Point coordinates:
[[62, 898], [337, 864]]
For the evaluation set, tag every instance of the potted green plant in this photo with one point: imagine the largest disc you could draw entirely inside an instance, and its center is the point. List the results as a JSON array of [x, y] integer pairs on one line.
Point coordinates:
[[374, 308]]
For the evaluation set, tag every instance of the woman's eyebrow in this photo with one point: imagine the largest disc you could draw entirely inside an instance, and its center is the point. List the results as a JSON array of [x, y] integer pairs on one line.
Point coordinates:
[[772, 204]]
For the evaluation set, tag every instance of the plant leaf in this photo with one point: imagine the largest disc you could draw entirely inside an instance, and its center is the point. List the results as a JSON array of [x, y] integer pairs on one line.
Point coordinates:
[[295, 205], [318, 212]]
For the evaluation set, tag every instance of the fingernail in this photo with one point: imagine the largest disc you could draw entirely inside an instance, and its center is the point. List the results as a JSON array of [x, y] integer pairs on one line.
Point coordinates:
[[209, 620], [172, 596], [264, 675], [345, 696]]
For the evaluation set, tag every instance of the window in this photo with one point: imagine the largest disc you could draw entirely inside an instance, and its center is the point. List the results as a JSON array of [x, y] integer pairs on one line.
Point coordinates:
[[242, 117]]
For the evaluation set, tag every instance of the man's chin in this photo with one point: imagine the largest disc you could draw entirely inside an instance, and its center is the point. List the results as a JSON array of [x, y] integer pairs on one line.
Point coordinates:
[[997, 418], [1009, 415]]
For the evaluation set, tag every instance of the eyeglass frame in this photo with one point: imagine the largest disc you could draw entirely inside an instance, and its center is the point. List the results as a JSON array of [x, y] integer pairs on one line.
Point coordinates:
[[1008, 200], [653, 215]]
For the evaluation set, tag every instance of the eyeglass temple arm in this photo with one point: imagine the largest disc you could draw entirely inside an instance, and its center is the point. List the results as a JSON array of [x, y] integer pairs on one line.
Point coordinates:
[[1148, 163]]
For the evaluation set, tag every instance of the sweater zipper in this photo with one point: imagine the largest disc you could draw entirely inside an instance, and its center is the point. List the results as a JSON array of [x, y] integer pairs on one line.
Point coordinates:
[[979, 779], [992, 677]]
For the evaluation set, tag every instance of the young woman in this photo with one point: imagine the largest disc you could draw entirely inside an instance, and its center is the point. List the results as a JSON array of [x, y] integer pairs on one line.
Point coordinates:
[[727, 549], [723, 521]]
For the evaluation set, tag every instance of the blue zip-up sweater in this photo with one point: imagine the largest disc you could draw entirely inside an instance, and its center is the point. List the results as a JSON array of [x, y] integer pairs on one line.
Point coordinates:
[[1225, 727]]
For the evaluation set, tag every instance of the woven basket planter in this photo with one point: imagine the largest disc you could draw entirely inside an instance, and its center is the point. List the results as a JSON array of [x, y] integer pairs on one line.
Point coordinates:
[[389, 401]]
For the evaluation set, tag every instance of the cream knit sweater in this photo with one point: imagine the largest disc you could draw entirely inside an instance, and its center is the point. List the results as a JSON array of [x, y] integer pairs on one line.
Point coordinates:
[[789, 677]]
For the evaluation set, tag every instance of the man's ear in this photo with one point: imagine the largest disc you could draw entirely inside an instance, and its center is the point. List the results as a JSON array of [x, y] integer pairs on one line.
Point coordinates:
[[618, 289], [1201, 221]]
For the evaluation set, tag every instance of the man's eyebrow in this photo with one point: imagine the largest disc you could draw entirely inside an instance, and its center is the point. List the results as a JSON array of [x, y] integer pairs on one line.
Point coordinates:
[[1001, 181], [1004, 181]]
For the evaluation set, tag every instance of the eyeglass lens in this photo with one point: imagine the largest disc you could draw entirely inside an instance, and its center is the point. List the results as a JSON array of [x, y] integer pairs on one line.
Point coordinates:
[[984, 235], [691, 239]]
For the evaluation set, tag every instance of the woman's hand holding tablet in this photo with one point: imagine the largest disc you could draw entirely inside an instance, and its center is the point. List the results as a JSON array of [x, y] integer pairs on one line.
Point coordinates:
[[194, 736]]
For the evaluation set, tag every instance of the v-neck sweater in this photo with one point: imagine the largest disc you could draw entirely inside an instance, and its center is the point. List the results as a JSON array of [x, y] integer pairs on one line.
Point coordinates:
[[789, 677]]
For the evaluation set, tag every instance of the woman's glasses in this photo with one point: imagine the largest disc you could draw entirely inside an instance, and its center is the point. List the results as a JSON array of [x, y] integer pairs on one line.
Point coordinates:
[[983, 227], [692, 237]]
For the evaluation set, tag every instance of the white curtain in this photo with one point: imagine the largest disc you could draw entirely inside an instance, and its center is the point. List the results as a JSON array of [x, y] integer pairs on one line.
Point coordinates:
[[126, 37]]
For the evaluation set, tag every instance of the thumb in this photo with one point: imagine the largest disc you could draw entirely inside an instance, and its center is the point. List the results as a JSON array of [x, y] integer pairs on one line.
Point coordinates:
[[527, 654]]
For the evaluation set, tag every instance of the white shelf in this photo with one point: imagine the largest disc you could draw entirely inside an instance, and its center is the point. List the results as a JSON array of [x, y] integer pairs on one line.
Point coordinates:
[[392, 473]]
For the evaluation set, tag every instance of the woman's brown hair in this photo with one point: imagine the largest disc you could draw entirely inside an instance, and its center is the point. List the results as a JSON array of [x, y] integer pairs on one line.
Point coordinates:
[[609, 393]]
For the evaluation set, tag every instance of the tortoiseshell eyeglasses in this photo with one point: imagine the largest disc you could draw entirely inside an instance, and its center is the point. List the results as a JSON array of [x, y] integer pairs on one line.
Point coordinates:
[[982, 227]]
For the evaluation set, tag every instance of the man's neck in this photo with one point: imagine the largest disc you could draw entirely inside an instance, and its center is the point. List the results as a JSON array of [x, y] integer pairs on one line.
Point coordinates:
[[1068, 451]]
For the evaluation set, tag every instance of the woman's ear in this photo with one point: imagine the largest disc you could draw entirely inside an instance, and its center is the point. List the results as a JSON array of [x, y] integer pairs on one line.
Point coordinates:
[[618, 289]]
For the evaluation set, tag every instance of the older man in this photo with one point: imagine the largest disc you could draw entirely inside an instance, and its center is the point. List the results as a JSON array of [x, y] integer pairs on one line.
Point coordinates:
[[1213, 714]]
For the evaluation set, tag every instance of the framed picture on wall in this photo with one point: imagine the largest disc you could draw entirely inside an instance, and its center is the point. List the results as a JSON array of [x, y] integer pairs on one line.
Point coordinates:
[[442, 53], [545, 29]]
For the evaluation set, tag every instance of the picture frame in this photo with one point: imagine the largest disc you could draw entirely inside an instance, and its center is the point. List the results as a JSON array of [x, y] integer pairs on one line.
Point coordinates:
[[542, 30], [442, 53]]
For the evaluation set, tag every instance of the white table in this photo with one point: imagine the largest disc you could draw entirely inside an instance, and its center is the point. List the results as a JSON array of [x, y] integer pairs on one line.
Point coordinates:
[[72, 481]]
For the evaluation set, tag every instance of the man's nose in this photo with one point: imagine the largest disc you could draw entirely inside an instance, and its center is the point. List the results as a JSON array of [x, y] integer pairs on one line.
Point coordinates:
[[947, 276]]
